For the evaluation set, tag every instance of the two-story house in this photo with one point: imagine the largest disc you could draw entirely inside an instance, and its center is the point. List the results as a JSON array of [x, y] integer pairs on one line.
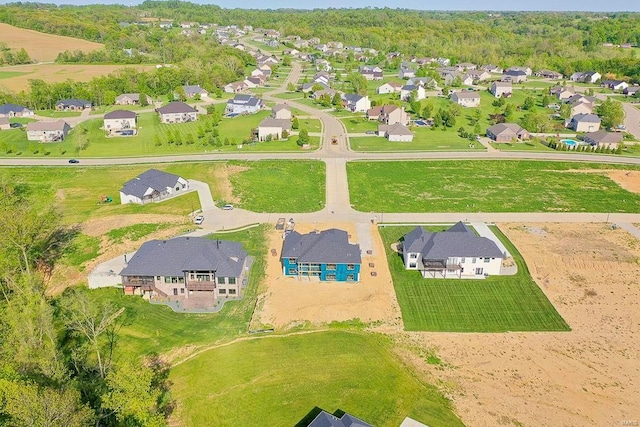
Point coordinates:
[[177, 112]]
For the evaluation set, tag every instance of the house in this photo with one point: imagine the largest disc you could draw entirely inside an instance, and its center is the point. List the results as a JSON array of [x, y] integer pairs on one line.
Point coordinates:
[[500, 89], [130, 99], [356, 103], [585, 77], [309, 87], [614, 84], [271, 128], [186, 267], [478, 75], [490, 68], [466, 98], [584, 123], [526, 70], [389, 87], [580, 107], [48, 131], [426, 82], [244, 104], [466, 66], [177, 112], [281, 111], [327, 255], [253, 82], [371, 73], [406, 72], [603, 138], [236, 87], [457, 252], [508, 132], [4, 123], [72, 104], [191, 91], [561, 92], [408, 91], [151, 186], [549, 74], [118, 121], [388, 114], [13, 110], [396, 132], [325, 419], [631, 91], [514, 76]]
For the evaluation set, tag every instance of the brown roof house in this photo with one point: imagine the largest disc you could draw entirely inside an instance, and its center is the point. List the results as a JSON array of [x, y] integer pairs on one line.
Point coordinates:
[[388, 114], [48, 131], [499, 89], [603, 138], [121, 122], [177, 112], [271, 128], [508, 132], [130, 99], [396, 132], [584, 123], [466, 98], [281, 111]]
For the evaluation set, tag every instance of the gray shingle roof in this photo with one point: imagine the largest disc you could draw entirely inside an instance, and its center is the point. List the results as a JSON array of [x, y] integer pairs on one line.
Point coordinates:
[[242, 99], [12, 108], [58, 125], [458, 241], [74, 102], [175, 256], [176, 107], [120, 114], [328, 246], [153, 178], [353, 97], [586, 118], [325, 419]]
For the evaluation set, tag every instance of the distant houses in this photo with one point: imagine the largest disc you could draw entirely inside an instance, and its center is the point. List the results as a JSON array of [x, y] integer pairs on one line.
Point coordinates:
[[585, 77], [151, 186], [457, 252], [244, 104], [14, 110], [389, 87], [121, 122], [326, 255], [191, 91], [356, 103], [130, 99], [501, 89], [55, 131], [514, 75], [466, 98], [73, 104], [177, 112], [409, 91]]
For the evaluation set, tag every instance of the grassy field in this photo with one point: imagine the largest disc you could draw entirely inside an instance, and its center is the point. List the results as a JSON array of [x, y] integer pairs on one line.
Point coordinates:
[[486, 186], [425, 139], [157, 329], [232, 132], [494, 304], [278, 381], [10, 74], [283, 186]]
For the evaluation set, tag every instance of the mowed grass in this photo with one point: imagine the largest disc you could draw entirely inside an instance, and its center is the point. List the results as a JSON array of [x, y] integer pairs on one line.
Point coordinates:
[[494, 304], [487, 186], [280, 186], [156, 329], [283, 186], [424, 139], [9, 74], [278, 381]]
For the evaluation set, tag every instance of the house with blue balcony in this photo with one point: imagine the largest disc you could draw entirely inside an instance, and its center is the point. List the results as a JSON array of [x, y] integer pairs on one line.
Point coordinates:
[[327, 255]]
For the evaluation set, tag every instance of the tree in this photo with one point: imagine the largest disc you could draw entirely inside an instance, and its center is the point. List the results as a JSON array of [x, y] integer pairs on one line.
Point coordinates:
[[529, 103], [509, 111], [180, 94], [457, 81], [144, 100], [477, 129], [303, 137], [536, 122], [565, 111], [416, 107], [291, 87], [337, 101], [286, 61], [611, 113], [427, 110], [358, 83], [295, 123]]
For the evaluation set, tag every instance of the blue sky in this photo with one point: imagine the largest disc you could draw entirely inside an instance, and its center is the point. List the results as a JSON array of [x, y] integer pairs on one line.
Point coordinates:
[[552, 5]]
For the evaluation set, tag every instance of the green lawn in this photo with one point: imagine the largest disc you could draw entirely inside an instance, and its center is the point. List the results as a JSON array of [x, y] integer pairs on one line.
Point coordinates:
[[494, 304], [281, 186], [359, 124], [312, 125], [157, 329], [9, 74], [57, 114], [425, 139], [521, 146], [278, 381], [486, 186], [290, 95]]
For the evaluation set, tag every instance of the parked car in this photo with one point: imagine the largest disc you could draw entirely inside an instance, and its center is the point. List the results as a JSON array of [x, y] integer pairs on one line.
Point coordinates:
[[370, 132], [227, 207], [199, 219], [15, 125], [74, 161]]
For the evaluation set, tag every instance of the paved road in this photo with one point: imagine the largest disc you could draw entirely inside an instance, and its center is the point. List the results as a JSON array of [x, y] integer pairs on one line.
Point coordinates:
[[632, 118]]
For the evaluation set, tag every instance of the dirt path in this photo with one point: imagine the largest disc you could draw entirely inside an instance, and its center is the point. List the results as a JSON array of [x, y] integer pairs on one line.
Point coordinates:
[[586, 377]]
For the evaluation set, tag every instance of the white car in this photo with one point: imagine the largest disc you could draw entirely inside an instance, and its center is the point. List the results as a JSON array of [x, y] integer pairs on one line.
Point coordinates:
[[227, 207], [199, 219]]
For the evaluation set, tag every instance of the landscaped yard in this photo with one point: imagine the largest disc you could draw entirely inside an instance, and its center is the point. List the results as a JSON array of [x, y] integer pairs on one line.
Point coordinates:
[[424, 139], [348, 371], [494, 304], [359, 124], [487, 186]]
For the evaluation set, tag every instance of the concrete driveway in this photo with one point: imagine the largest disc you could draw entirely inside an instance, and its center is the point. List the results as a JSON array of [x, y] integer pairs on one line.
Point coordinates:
[[107, 274]]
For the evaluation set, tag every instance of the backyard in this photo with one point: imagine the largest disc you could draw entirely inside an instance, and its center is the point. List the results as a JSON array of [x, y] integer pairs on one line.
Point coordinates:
[[494, 304], [488, 186]]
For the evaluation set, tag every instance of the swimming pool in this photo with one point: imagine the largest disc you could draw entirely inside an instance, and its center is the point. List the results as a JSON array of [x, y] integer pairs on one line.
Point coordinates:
[[570, 142]]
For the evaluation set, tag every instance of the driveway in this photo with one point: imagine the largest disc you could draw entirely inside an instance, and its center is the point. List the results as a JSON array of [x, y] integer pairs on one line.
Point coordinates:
[[204, 194], [107, 274]]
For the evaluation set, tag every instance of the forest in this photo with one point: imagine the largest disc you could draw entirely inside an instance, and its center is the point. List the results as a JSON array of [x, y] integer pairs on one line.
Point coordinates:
[[564, 42]]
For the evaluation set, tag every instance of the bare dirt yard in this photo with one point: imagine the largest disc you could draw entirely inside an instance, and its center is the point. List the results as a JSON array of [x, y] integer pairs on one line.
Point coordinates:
[[287, 301], [43, 47], [55, 73], [589, 376]]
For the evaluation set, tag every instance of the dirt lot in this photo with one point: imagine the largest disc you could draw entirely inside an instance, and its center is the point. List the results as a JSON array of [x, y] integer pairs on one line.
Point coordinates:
[[54, 73], [43, 47], [587, 377], [287, 302]]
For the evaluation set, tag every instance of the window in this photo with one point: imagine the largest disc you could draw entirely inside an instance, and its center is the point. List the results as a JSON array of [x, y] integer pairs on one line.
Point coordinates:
[[331, 266], [222, 280], [462, 260], [487, 259], [331, 277], [232, 280], [292, 260], [473, 260], [479, 271], [293, 271], [175, 291], [203, 277], [158, 277], [167, 279], [222, 291], [181, 279], [232, 291], [351, 267], [413, 256], [182, 290], [412, 265], [351, 277]]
